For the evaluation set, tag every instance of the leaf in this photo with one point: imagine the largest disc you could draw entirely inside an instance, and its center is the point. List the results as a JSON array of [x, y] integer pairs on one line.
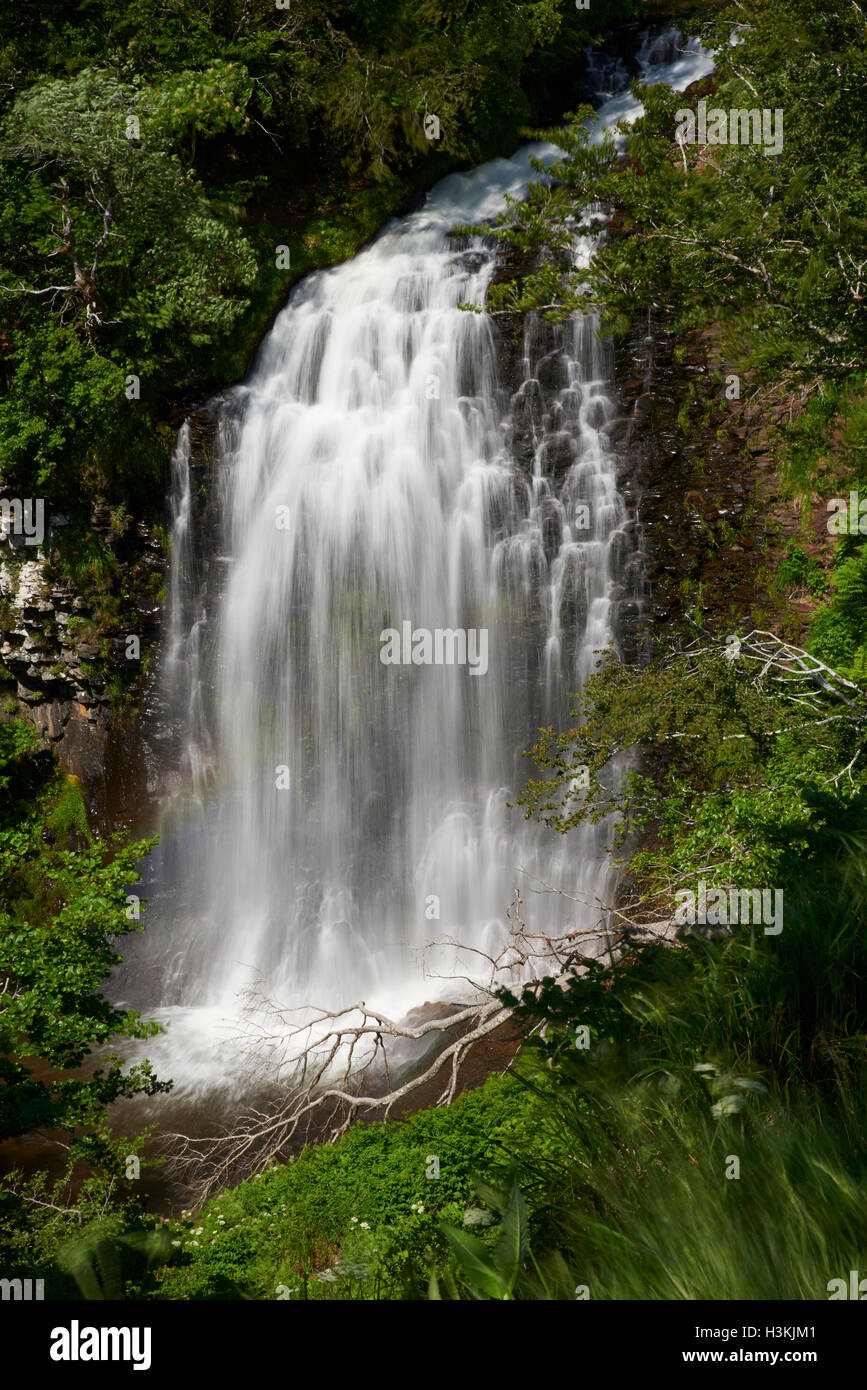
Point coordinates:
[[511, 1248], [497, 1198], [473, 1259]]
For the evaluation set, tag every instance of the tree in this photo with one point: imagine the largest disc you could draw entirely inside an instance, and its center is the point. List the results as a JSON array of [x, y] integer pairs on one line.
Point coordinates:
[[772, 248], [153, 157], [63, 904], [705, 760], [112, 147]]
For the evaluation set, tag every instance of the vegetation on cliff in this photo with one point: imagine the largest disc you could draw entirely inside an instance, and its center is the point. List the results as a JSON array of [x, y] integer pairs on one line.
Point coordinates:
[[689, 1122], [155, 161], [64, 903], [766, 244]]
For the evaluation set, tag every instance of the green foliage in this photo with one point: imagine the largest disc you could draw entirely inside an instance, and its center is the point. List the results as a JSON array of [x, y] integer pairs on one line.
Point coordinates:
[[299, 1221], [83, 1229], [17, 740], [747, 1046], [62, 907], [824, 452], [83, 557], [153, 158], [766, 246], [493, 1272], [656, 1210], [823, 447], [797, 570], [788, 1005], [839, 630], [99, 1258], [718, 759], [66, 816]]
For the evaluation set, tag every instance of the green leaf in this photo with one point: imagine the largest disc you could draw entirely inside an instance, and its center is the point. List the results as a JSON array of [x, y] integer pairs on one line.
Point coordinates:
[[511, 1248], [473, 1258]]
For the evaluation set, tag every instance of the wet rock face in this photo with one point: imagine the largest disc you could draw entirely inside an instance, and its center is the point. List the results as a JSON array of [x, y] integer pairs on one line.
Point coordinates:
[[698, 472], [690, 466], [549, 420], [75, 658], [203, 573], [610, 67], [470, 262], [73, 663]]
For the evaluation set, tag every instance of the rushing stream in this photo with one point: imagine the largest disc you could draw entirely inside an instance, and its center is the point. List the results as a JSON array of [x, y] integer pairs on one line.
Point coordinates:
[[330, 813]]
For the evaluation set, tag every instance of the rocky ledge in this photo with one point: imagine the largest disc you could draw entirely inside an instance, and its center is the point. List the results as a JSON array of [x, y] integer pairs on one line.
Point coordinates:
[[78, 618]]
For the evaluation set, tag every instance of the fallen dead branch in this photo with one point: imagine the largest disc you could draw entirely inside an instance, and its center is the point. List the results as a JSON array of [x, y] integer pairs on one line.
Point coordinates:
[[334, 1065]]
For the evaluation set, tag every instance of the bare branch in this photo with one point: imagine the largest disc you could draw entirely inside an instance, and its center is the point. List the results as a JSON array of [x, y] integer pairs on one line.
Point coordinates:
[[335, 1065]]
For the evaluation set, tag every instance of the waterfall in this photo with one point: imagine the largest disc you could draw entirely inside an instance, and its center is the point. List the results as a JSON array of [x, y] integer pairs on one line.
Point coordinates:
[[375, 475]]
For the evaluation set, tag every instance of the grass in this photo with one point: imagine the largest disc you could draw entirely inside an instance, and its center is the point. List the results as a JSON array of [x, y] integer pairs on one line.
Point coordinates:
[[823, 448], [83, 557], [710, 1143], [676, 1203], [796, 572], [298, 1220]]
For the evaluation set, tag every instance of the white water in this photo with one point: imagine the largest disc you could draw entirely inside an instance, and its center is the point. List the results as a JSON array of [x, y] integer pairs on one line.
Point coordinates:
[[375, 416]]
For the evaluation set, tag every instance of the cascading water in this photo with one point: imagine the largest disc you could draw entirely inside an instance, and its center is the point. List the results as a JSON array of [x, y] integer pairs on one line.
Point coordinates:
[[332, 813]]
